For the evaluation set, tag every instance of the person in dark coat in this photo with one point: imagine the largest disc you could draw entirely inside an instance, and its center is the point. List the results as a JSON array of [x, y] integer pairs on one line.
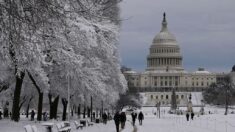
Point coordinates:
[[123, 119], [117, 120], [192, 115], [134, 116], [105, 118], [141, 117], [32, 115], [187, 116], [0, 115]]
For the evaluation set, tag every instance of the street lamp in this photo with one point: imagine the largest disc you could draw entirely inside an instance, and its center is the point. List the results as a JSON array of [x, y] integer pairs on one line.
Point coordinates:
[[202, 107], [68, 97]]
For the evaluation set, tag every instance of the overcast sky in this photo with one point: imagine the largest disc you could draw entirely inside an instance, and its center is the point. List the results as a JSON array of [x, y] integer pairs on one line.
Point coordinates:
[[204, 29]]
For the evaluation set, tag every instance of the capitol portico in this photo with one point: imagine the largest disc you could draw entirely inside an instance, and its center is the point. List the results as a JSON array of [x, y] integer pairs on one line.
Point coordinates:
[[165, 71]]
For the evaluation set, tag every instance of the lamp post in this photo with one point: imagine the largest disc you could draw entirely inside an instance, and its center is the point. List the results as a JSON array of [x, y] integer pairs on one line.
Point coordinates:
[[68, 97], [202, 107]]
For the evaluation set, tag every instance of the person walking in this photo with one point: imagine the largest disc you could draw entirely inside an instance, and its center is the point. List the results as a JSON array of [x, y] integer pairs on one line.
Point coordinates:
[[187, 116], [32, 115], [192, 115], [123, 119], [141, 117], [105, 118], [133, 115], [117, 120], [0, 114]]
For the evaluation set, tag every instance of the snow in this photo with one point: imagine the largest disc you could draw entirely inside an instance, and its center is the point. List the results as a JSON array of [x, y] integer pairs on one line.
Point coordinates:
[[215, 122]]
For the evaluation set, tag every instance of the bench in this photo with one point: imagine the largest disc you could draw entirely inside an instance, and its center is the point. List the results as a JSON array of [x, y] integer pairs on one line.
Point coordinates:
[[62, 128], [90, 123], [29, 128], [78, 125]]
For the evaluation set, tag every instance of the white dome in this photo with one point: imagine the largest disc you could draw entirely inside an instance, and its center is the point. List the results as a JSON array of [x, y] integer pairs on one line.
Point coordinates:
[[165, 37]]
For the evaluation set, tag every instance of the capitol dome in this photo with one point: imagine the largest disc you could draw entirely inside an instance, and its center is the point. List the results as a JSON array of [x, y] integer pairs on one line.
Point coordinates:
[[164, 51], [164, 37]]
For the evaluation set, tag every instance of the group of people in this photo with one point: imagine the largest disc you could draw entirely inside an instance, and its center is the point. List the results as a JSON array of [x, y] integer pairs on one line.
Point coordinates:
[[140, 117], [120, 118], [187, 116]]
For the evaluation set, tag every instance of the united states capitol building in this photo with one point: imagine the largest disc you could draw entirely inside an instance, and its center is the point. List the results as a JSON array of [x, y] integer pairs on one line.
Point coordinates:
[[165, 72]]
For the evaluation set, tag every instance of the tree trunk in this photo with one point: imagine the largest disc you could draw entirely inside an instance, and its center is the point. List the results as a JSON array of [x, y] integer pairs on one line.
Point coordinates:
[[79, 111], [65, 103], [27, 111], [84, 112], [16, 100], [53, 106], [40, 102], [91, 109], [88, 112]]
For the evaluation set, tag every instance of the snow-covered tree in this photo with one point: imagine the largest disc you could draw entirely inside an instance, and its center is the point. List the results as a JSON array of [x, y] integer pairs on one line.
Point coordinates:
[[54, 40], [220, 93]]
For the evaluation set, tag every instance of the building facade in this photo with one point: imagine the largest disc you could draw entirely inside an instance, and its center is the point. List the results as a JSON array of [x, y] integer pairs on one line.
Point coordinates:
[[165, 72]]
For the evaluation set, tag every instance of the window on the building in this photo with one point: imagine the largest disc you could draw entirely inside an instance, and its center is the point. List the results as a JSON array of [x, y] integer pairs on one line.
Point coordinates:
[[151, 97], [161, 96], [177, 96], [156, 97], [165, 83], [170, 83], [192, 83], [161, 83], [155, 83], [202, 83], [182, 96], [166, 96], [197, 84], [176, 83]]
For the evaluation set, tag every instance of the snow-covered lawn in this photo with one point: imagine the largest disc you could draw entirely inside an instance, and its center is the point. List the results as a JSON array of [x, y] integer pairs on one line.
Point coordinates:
[[216, 122]]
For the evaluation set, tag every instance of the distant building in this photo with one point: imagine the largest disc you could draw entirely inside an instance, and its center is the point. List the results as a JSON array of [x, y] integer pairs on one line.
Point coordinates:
[[165, 71]]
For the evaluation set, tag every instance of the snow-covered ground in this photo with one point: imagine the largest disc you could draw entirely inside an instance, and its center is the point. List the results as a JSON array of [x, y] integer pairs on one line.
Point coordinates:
[[215, 122]]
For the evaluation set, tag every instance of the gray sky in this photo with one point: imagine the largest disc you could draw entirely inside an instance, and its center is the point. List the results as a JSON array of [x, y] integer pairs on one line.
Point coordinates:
[[204, 29]]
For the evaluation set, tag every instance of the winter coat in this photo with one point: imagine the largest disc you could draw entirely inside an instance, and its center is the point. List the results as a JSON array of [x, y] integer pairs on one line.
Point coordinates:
[[105, 117], [141, 116], [123, 117], [116, 118], [133, 115]]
